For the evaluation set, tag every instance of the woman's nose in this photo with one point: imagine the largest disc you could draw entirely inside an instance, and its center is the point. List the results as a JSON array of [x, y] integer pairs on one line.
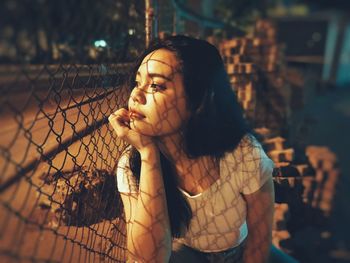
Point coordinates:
[[137, 95]]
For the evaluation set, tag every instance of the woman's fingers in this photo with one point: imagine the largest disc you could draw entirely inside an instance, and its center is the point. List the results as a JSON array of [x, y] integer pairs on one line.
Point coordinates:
[[119, 113], [120, 121]]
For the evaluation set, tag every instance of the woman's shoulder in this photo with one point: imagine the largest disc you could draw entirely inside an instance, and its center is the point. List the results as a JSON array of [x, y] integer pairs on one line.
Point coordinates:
[[248, 144], [256, 166], [248, 150], [249, 140]]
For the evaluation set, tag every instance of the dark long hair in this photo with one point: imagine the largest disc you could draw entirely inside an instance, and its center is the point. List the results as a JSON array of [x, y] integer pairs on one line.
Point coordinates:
[[216, 124]]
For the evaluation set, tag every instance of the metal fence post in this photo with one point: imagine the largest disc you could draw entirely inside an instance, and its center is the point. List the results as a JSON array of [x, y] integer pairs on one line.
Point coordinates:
[[151, 20]]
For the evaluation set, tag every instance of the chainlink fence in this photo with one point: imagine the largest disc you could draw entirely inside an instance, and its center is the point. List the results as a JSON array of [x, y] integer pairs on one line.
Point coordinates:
[[58, 190], [60, 79]]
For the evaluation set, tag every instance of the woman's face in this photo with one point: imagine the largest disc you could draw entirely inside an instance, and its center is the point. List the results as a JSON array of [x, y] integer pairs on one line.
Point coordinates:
[[157, 103]]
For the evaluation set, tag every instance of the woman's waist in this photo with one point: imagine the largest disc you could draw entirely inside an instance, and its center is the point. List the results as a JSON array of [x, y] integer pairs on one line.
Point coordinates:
[[215, 243]]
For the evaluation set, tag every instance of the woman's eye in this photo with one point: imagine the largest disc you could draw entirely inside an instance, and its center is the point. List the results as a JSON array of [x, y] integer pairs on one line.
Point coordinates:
[[157, 87]]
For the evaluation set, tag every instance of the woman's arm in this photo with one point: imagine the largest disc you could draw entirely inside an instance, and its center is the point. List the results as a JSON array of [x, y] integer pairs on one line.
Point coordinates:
[[260, 209], [148, 229], [148, 234]]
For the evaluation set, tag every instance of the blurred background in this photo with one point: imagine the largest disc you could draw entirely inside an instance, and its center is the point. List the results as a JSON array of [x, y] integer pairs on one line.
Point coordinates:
[[63, 69]]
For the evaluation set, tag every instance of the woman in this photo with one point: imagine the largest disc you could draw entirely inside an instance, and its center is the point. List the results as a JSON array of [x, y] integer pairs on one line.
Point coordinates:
[[194, 180]]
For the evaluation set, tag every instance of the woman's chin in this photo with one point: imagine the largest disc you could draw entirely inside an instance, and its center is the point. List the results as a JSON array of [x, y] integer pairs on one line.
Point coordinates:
[[139, 127]]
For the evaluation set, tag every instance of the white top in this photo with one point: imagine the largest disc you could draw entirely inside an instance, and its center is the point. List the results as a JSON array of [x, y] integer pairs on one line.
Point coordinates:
[[219, 213]]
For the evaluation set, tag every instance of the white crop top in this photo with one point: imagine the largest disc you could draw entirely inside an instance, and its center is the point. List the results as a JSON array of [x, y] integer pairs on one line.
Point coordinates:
[[219, 213]]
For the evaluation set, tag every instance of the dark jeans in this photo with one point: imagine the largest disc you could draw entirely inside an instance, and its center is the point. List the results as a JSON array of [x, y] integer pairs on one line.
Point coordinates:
[[183, 254]]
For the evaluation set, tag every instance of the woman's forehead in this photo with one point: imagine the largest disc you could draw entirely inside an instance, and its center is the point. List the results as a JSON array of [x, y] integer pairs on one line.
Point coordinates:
[[160, 61]]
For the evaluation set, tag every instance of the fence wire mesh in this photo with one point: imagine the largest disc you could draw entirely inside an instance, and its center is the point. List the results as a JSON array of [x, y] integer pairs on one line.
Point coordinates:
[[58, 189], [62, 69]]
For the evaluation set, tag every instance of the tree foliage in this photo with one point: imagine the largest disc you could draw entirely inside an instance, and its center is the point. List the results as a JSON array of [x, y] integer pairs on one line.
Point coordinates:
[[36, 29]]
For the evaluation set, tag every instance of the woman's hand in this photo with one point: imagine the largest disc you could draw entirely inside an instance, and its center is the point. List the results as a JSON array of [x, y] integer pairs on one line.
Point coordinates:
[[120, 121]]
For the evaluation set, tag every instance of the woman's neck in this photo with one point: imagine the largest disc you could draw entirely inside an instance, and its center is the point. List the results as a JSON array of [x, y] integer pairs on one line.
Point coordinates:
[[172, 147]]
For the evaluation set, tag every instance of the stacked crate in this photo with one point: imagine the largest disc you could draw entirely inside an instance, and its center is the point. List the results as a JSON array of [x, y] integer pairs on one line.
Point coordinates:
[[327, 173], [273, 91], [279, 226], [278, 150], [304, 181], [304, 190], [256, 68], [269, 56], [242, 72], [288, 179], [289, 171]]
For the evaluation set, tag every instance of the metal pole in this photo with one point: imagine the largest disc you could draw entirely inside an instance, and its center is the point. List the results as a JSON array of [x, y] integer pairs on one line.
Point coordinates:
[[151, 23]]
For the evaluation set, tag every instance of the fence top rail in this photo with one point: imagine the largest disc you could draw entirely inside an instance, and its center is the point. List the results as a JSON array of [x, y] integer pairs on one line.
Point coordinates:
[[34, 67], [23, 73]]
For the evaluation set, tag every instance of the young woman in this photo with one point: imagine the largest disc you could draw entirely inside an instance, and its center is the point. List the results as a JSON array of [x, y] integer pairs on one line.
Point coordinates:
[[195, 183]]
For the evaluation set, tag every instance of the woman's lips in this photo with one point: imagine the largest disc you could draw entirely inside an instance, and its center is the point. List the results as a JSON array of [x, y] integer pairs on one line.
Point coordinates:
[[136, 115]]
